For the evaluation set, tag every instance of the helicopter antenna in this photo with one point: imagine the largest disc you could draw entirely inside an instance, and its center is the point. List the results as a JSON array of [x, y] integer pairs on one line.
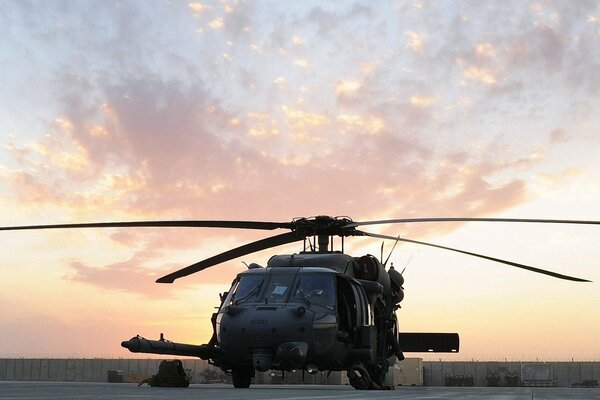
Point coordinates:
[[381, 257], [408, 262], [389, 255]]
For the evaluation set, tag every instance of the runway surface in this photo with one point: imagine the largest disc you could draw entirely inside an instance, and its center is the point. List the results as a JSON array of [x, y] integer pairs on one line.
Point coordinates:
[[66, 390]]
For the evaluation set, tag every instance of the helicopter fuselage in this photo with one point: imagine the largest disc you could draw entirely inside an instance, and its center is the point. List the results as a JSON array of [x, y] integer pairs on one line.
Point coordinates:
[[319, 309], [313, 311], [288, 317]]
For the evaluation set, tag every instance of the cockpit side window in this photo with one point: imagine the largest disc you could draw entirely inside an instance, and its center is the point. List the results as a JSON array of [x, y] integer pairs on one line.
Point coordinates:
[[231, 292], [316, 289]]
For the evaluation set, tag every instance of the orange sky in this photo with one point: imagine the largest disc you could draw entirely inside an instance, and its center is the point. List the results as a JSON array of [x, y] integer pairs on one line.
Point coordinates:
[[270, 111]]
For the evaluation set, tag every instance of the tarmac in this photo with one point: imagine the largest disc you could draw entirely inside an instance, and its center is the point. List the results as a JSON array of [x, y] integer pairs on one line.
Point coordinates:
[[70, 390]]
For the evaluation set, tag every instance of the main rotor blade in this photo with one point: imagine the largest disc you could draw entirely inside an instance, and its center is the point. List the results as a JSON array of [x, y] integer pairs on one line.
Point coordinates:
[[161, 224], [514, 264], [411, 220], [253, 247]]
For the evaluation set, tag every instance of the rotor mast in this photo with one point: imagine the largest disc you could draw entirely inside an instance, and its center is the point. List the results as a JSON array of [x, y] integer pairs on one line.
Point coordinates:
[[323, 240]]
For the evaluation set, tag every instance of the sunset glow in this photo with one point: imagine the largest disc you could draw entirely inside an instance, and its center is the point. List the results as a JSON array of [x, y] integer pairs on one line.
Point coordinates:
[[119, 111]]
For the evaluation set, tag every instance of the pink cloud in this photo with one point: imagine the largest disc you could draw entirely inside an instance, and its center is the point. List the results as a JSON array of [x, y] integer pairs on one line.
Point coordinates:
[[559, 136], [177, 157], [131, 276]]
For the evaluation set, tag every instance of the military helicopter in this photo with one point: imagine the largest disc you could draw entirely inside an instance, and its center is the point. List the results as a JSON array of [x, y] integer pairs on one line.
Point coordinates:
[[316, 310]]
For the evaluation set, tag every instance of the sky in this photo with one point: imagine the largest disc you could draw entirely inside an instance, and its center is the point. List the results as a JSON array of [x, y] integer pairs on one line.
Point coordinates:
[[271, 110]]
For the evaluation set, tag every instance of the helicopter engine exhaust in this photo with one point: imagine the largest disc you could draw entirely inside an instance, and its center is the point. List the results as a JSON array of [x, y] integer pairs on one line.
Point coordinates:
[[139, 344]]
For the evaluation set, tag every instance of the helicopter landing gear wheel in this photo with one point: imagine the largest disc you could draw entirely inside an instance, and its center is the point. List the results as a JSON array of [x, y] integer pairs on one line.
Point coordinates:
[[241, 377], [361, 379]]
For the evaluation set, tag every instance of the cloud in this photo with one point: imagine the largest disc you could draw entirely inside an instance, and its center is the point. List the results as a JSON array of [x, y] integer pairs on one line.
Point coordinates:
[[164, 153], [302, 63], [197, 8], [137, 275], [131, 276], [216, 23], [559, 136], [415, 41], [185, 134], [345, 87], [484, 50], [370, 125], [424, 101], [484, 76], [552, 180], [551, 46], [300, 120]]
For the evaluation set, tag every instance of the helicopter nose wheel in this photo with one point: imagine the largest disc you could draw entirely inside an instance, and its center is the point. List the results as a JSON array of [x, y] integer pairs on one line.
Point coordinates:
[[241, 377]]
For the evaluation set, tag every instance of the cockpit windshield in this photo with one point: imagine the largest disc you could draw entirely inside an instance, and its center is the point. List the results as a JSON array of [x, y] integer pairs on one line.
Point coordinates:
[[248, 289], [310, 288], [278, 288]]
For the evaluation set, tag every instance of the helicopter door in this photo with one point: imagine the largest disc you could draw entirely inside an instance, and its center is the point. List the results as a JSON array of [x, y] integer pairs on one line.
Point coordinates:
[[352, 309]]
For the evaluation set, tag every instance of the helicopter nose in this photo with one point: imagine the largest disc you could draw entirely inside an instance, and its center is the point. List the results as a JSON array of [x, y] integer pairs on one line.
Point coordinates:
[[268, 336]]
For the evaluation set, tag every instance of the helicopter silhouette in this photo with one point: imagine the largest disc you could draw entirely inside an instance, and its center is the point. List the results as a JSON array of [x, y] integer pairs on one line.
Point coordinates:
[[316, 310]]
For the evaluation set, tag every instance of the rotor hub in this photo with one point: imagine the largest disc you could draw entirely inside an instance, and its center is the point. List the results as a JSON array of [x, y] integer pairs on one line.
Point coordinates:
[[323, 225]]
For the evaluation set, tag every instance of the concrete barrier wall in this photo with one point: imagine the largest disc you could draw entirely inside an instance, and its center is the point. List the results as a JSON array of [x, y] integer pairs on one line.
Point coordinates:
[[564, 374], [134, 370], [84, 370]]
